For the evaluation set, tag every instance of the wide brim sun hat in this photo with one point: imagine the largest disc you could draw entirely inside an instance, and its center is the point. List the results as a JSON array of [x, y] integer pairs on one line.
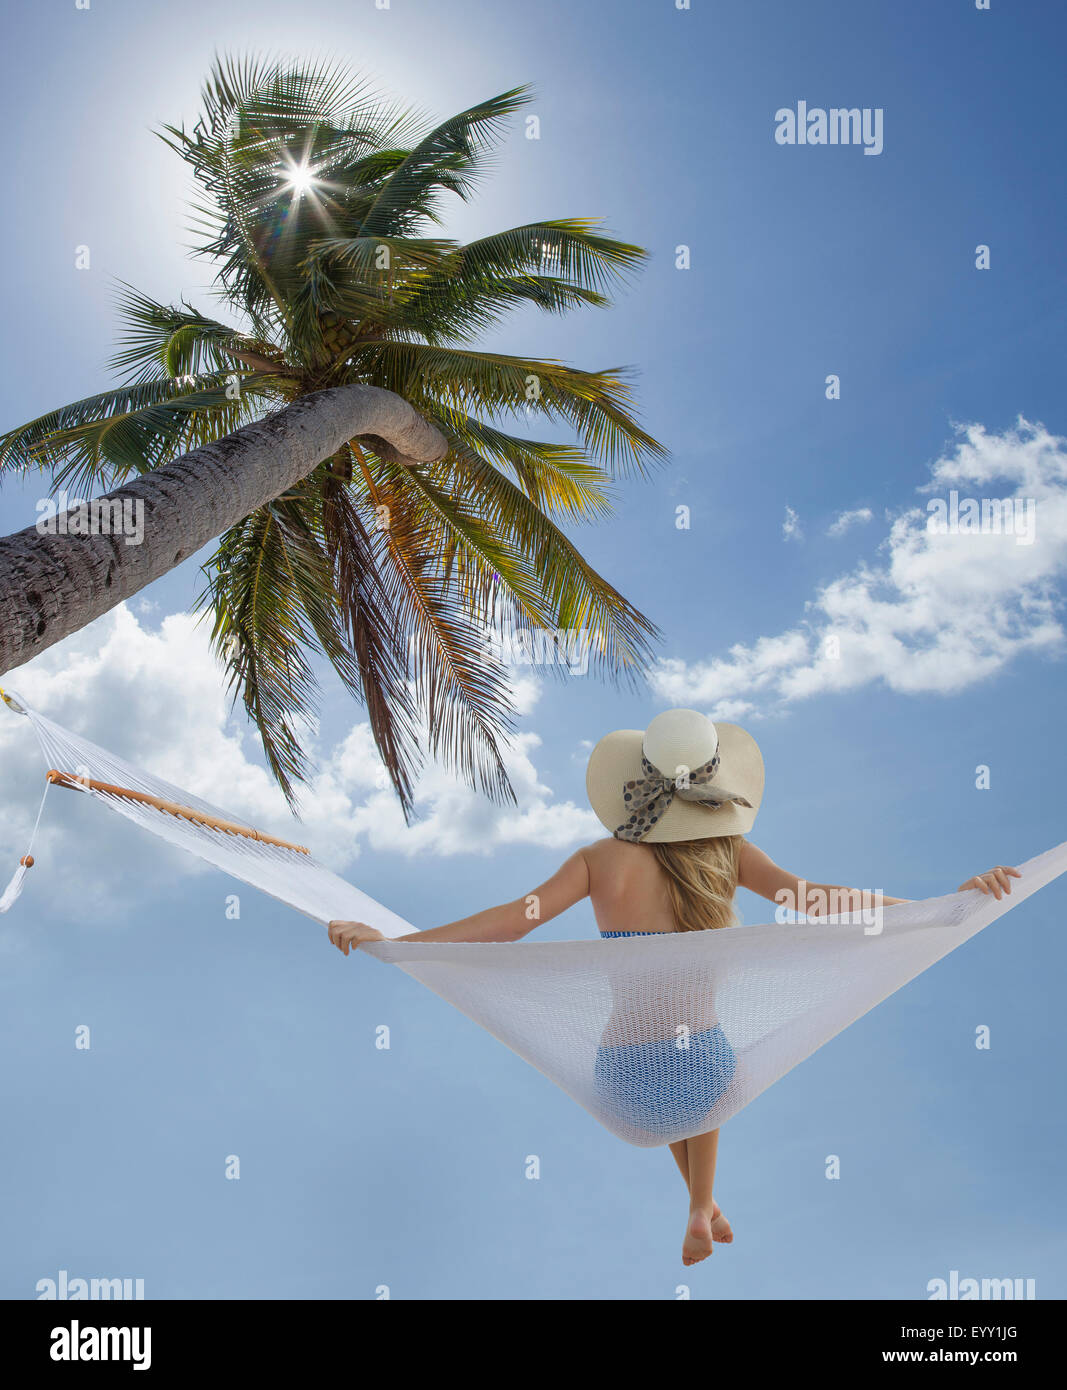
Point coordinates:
[[682, 778]]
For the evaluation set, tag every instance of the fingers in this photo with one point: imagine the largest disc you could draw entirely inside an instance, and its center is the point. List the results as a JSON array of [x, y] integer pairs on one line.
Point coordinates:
[[345, 935], [996, 881], [1000, 873], [999, 880]]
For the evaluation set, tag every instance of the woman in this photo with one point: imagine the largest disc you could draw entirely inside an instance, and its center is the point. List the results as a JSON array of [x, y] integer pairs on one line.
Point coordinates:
[[679, 800]]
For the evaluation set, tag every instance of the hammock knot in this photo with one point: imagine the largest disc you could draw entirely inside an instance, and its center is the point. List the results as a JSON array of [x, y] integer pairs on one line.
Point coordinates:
[[12, 701]]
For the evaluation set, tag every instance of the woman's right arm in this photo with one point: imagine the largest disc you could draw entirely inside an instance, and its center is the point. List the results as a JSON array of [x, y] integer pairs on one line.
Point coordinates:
[[760, 874]]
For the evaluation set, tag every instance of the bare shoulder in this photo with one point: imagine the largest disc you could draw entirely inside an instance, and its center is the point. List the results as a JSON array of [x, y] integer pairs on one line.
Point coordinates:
[[751, 854], [758, 872], [753, 865], [613, 853], [618, 861]]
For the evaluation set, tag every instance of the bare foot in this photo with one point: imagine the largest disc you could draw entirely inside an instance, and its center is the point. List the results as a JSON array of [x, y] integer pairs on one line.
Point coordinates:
[[697, 1245], [721, 1230], [703, 1224]]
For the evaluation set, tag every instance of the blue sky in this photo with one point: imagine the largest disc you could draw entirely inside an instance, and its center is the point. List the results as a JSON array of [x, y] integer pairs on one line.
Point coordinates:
[[362, 1168]]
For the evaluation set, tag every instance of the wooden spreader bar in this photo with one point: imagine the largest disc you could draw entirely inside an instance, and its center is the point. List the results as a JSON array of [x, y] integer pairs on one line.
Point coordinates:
[[67, 779]]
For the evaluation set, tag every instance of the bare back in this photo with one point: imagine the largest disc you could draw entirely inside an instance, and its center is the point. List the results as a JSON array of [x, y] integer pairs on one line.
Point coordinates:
[[627, 887]]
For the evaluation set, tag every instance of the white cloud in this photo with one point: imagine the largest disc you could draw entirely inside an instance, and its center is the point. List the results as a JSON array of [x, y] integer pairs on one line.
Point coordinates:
[[742, 673], [731, 710], [791, 527], [933, 612], [843, 521], [458, 821], [155, 697]]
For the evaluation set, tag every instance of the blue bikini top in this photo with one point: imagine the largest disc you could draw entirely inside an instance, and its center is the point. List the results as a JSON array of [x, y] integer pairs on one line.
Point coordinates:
[[613, 934]]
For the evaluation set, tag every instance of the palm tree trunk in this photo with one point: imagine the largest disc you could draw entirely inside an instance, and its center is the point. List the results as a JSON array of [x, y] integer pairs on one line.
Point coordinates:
[[54, 584]]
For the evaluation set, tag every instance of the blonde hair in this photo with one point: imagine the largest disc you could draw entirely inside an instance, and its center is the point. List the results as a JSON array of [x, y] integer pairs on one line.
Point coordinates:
[[701, 880]]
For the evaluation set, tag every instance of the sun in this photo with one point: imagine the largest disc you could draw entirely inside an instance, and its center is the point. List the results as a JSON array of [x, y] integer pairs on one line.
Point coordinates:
[[300, 178]]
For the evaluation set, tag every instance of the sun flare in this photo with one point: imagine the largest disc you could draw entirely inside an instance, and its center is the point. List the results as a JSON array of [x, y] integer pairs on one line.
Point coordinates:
[[300, 178]]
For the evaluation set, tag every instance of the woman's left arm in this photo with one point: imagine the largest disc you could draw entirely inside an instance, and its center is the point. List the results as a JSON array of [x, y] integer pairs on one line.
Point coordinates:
[[507, 922]]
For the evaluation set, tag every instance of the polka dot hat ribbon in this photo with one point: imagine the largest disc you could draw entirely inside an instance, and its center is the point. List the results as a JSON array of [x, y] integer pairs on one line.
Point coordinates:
[[649, 795]]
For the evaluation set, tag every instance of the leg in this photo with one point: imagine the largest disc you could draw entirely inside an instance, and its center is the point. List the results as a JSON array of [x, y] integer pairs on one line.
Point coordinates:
[[706, 1221], [720, 1227], [681, 1156], [702, 1151]]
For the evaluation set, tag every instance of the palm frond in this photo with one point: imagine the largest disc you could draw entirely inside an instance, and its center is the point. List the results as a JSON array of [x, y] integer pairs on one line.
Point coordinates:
[[447, 157], [461, 687], [100, 440], [569, 592], [179, 342], [571, 248], [557, 478], [260, 582], [375, 638], [595, 403]]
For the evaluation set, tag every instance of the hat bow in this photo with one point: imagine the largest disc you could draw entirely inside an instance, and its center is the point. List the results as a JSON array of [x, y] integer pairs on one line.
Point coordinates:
[[648, 796]]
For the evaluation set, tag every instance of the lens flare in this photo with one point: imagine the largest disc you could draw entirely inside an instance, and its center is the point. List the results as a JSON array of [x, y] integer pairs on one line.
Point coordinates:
[[301, 179]]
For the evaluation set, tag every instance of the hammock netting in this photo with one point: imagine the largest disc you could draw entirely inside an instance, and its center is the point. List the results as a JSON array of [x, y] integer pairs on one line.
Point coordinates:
[[659, 1037]]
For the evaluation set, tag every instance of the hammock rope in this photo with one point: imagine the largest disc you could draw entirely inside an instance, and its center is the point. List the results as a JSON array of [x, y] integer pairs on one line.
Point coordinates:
[[659, 1037], [70, 779], [13, 890]]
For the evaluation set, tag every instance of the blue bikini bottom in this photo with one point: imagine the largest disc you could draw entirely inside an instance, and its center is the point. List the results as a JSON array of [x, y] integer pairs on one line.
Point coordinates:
[[662, 1087]]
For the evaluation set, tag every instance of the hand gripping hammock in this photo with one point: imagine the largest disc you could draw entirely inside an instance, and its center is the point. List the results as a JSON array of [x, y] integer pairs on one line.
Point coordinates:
[[612, 1022]]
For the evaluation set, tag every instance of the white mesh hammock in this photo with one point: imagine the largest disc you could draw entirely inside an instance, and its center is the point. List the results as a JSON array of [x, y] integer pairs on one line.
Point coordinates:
[[658, 1037]]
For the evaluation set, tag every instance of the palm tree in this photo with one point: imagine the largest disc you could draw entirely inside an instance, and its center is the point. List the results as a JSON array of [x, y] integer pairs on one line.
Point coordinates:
[[316, 200]]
